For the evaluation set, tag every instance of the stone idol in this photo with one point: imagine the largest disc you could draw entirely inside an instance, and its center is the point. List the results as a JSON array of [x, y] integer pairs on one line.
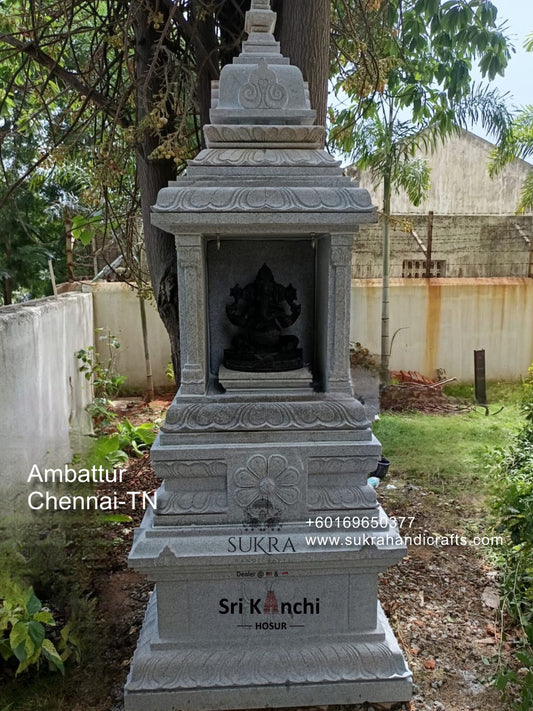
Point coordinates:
[[266, 543]]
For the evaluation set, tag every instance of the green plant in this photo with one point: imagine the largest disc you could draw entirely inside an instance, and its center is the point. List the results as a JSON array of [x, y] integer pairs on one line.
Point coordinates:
[[169, 372], [136, 437], [105, 380], [22, 622], [512, 504], [100, 413], [114, 449], [106, 452], [526, 401], [523, 679]]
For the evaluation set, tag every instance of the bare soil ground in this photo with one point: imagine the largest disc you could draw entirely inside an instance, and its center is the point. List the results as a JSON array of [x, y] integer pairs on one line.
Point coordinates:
[[443, 602]]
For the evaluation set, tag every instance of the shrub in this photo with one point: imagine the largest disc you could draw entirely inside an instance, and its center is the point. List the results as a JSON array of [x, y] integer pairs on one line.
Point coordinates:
[[512, 502], [23, 622]]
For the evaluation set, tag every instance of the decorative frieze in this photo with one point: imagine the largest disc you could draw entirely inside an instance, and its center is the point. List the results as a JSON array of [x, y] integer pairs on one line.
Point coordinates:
[[263, 157], [262, 199], [266, 136], [253, 416]]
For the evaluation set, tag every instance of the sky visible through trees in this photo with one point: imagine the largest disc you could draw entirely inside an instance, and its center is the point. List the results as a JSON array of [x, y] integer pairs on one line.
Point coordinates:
[[517, 78]]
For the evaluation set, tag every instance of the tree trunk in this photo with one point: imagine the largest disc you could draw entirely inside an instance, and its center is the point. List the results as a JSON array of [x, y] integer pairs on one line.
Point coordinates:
[[206, 58], [149, 395], [385, 339], [152, 175], [387, 192], [303, 29], [7, 290], [7, 281], [69, 247]]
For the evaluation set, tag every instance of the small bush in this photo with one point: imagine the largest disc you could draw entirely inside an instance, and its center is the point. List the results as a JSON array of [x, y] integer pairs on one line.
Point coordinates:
[[23, 622], [101, 372], [512, 503], [362, 358]]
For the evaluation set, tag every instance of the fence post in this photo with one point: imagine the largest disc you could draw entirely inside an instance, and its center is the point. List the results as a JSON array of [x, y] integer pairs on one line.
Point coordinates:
[[479, 377], [429, 244]]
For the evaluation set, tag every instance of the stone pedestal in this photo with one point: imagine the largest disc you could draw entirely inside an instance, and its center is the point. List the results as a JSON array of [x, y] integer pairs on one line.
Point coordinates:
[[267, 541], [247, 618]]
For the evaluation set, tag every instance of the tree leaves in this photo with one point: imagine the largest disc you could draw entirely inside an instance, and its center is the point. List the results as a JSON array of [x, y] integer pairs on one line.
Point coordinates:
[[517, 142], [526, 194], [23, 612], [414, 177], [435, 45]]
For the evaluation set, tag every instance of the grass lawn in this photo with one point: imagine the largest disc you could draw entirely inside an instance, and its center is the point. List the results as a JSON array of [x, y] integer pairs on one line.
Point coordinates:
[[450, 452]]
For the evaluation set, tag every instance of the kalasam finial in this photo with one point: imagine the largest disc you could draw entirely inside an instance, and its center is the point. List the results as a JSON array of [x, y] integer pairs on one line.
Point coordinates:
[[260, 17]]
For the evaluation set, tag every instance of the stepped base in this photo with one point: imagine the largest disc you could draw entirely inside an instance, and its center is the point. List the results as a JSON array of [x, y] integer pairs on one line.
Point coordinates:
[[346, 669]]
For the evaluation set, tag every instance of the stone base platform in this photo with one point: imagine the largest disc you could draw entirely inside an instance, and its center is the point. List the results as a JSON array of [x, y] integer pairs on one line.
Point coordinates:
[[254, 618], [211, 677]]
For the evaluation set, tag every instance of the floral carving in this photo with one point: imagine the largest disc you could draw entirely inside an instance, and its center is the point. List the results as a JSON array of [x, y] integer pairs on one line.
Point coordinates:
[[270, 478], [261, 157], [263, 90], [223, 417]]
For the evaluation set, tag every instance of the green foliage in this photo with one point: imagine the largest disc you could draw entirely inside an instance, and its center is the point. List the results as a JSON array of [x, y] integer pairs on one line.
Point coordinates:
[[72, 116], [406, 70], [61, 557], [403, 72], [515, 143], [523, 681], [86, 228], [136, 437], [526, 401], [512, 505], [30, 236], [22, 623], [129, 440], [169, 372], [101, 372], [106, 452], [100, 413]]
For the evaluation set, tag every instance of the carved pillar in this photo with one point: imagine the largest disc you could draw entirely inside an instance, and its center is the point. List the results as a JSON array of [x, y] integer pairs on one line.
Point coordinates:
[[339, 299], [191, 281]]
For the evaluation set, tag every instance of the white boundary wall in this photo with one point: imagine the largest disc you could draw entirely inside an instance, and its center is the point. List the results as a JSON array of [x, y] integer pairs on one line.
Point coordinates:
[[117, 311], [445, 320], [42, 393]]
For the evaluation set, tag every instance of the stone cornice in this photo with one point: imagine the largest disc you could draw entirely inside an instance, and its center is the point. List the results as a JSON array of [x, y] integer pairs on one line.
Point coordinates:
[[263, 199]]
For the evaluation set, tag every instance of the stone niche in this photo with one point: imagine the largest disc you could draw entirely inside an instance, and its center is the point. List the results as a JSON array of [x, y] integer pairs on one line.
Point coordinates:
[[248, 611], [231, 262]]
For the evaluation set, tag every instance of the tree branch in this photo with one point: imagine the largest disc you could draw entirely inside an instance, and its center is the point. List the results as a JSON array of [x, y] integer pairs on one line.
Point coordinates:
[[68, 78]]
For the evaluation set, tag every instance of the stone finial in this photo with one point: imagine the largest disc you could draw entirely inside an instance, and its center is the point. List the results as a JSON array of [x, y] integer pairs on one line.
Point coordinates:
[[260, 18]]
